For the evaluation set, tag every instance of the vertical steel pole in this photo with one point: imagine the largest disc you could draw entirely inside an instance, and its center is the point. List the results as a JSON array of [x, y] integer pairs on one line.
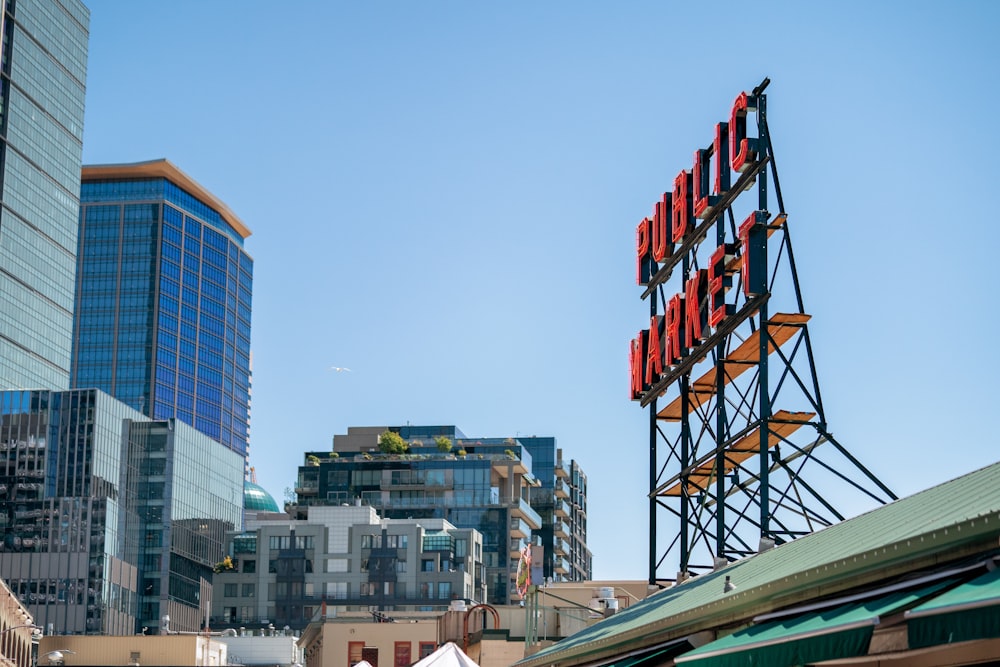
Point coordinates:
[[765, 400], [653, 554], [722, 162], [685, 544]]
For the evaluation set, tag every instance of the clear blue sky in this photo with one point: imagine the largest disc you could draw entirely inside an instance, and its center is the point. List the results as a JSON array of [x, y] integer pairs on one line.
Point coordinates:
[[443, 198]]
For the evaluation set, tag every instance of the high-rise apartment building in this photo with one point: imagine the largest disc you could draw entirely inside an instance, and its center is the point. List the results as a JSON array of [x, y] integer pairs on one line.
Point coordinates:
[[561, 501], [110, 520], [491, 484], [163, 298], [44, 66]]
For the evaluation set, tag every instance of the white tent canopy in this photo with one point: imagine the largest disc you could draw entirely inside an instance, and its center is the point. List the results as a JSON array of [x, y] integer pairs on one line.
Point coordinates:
[[448, 655]]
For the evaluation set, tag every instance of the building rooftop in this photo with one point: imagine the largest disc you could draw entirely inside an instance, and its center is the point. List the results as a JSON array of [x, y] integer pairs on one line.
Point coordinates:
[[163, 168]]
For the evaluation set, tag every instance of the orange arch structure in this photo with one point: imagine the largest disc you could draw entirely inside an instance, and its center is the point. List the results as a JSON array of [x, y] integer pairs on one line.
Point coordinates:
[[465, 622]]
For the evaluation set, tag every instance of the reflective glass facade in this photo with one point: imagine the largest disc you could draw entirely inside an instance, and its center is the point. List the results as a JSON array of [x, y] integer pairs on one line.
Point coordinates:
[[163, 301], [189, 495], [109, 520], [66, 510], [41, 137]]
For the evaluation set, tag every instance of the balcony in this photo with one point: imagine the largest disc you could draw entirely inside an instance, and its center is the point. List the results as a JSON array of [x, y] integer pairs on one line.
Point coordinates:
[[307, 487], [506, 466], [560, 565], [519, 528], [561, 509], [562, 470], [561, 489], [560, 546], [561, 529], [523, 510]]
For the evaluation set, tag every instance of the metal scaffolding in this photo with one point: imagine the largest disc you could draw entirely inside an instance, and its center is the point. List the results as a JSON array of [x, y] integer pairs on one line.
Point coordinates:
[[736, 422]]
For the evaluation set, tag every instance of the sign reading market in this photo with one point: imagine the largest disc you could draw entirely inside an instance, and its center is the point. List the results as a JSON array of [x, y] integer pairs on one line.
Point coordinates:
[[704, 310]]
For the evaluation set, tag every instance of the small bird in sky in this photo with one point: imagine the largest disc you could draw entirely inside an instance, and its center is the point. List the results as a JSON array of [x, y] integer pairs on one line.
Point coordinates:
[[340, 369]]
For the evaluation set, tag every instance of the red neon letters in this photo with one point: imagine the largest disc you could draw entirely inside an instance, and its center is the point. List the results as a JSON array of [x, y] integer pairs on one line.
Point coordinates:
[[701, 307]]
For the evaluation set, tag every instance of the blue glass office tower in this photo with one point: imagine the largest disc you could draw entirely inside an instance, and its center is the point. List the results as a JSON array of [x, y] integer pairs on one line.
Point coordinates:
[[44, 68], [163, 298]]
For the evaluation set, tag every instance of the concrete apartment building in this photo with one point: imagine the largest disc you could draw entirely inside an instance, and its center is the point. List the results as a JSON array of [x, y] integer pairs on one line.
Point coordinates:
[[286, 572]]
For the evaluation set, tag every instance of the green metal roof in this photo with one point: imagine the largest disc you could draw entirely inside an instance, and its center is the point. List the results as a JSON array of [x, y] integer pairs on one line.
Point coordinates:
[[942, 523]]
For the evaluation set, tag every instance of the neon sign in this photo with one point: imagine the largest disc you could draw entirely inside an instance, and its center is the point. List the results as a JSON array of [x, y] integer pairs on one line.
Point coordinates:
[[679, 224]]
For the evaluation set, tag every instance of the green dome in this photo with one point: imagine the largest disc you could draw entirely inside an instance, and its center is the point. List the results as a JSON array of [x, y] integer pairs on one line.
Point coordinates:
[[256, 499]]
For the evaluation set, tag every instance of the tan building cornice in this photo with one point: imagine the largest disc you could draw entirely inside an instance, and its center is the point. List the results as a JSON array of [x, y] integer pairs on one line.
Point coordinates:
[[164, 168]]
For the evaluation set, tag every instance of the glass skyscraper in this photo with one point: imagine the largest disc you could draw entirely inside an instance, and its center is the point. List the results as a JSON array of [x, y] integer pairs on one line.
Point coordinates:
[[44, 68], [163, 298], [110, 520]]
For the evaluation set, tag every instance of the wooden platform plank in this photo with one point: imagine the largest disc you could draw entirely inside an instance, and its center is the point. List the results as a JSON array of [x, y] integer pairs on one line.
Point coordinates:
[[785, 423], [782, 326]]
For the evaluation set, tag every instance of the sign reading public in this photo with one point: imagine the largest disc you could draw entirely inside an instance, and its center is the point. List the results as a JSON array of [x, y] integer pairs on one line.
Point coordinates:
[[680, 222]]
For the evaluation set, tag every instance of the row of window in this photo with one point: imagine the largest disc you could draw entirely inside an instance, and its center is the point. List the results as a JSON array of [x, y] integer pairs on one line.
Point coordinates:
[[401, 653], [283, 542], [391, 541]]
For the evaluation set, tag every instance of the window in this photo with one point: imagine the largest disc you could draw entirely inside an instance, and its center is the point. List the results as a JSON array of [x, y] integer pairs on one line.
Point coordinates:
[[444, 590], [401, 656], [229, 590], [248, 590], [427, 565], [426, 648], [354, 652], [249, 566]]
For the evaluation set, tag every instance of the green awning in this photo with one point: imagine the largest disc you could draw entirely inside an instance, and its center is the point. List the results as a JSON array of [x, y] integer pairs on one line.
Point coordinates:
[[638, 659], [840, 632], [966, 612], [658, 655]]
